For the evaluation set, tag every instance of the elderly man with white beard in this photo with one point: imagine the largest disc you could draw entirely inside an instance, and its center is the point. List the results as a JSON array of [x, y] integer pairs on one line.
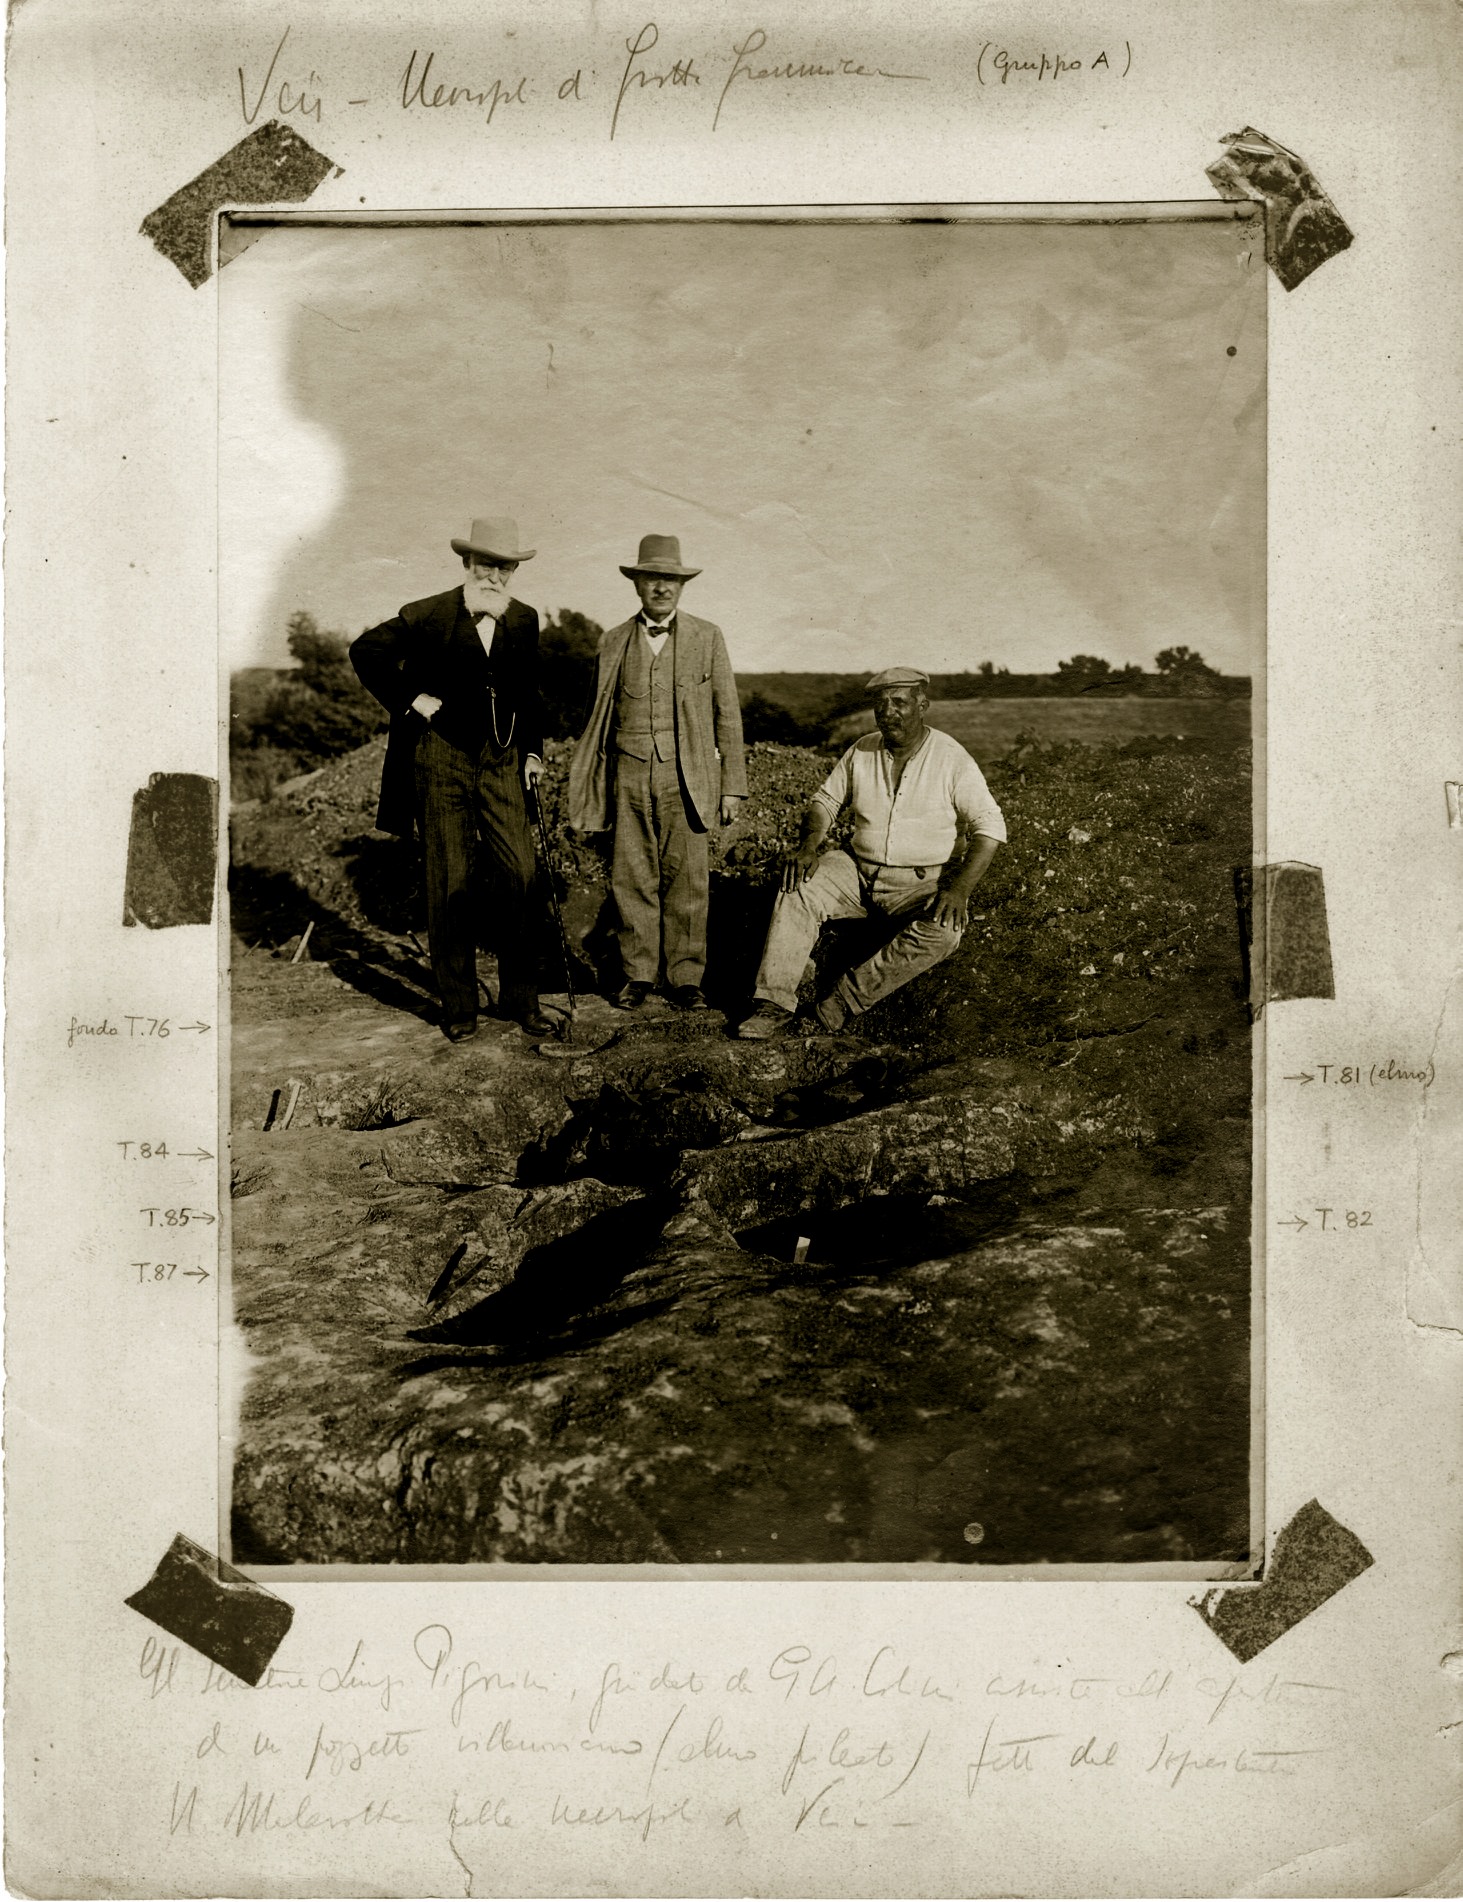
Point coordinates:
[[458, 673]]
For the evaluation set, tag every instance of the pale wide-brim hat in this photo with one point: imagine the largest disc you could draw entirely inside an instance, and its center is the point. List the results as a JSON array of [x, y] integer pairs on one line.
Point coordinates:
[[495, 536], [660, 555]]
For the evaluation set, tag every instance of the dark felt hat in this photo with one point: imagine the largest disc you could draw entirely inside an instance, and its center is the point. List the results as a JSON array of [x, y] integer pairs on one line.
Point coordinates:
[[660, 555]]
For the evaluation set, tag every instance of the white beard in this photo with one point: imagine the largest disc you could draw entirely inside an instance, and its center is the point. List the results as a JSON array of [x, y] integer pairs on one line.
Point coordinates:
[[485, 597]]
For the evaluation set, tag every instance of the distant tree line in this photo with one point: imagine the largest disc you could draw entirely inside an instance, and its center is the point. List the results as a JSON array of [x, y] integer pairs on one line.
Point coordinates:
[[801, 708], [1181, 674], [290, 720]]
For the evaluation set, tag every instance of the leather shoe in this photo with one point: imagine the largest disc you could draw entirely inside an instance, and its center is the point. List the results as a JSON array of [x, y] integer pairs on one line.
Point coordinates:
[[460, 1031], [767, 1020], [535, 1024], [687, 997], [632, 995], [831, 1013]]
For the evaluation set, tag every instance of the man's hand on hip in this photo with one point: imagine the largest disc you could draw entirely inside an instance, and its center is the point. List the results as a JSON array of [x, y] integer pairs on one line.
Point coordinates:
[[426, 704]]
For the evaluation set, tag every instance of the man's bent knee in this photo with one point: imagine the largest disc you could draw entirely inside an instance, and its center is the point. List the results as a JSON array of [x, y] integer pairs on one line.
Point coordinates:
[[804, 898], [940, 939]]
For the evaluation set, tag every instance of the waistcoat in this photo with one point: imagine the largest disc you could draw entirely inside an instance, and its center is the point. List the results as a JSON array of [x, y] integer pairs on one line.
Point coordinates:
[[476, 714], [645, 705]]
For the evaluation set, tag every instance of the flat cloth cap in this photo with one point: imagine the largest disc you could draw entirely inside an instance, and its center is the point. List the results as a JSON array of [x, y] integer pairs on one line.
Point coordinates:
[[897, 677]]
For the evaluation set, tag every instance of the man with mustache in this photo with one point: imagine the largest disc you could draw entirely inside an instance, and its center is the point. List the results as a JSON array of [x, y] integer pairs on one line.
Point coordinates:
[[458, 673], [913, 791], [661, 761]]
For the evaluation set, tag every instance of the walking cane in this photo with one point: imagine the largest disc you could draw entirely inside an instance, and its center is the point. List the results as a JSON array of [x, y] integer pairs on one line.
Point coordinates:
[[566, 1028]]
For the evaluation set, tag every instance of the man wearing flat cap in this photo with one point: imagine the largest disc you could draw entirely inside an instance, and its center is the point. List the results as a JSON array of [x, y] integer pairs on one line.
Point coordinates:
[[661, 762], [925, 828], [458, 673]]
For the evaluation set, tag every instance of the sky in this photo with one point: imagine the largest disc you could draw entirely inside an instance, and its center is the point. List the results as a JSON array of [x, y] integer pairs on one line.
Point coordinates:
[[932, 444]]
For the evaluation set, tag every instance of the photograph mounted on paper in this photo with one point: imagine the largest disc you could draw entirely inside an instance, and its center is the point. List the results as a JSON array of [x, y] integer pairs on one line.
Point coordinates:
[[739, 759]]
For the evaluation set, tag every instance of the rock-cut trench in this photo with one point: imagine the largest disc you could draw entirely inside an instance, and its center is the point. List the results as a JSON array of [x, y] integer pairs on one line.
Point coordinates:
[[683, 1299]]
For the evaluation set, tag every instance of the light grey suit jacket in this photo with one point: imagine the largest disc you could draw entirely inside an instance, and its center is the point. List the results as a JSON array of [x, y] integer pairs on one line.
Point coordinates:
[[708, 726]]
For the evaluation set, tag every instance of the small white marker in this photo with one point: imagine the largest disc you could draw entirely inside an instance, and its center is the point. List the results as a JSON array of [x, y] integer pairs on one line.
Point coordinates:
[[800, 1253]]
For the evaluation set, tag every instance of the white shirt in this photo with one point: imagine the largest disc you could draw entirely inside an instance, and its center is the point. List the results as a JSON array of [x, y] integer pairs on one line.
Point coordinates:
[[941, 789], [656, 633]]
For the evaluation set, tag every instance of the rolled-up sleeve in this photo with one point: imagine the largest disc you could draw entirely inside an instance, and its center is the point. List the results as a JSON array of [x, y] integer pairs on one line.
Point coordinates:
[[974, 802], [837, 789]]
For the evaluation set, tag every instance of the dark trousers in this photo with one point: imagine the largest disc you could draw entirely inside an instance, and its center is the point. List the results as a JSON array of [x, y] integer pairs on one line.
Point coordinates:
[[479, 872]]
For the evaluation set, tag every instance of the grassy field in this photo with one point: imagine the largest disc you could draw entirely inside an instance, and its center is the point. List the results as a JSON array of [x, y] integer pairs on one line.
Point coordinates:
[[988, 727]]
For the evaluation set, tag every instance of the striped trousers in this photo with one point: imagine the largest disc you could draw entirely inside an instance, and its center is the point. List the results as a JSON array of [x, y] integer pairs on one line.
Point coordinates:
[[480, 875]]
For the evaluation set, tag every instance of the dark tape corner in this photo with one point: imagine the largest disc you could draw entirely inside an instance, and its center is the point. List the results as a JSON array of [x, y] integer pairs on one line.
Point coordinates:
[[272, 166], [1314, 1557], [205, 1603], [172, 852], [1302, 226], [1284, 933]]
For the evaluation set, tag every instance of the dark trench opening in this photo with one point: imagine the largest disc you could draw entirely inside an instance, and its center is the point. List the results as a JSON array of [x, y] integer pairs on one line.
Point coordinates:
[[888, 1231], [555, 1284]]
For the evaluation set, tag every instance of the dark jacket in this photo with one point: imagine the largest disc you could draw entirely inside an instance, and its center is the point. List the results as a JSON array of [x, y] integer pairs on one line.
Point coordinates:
[[432, 647]]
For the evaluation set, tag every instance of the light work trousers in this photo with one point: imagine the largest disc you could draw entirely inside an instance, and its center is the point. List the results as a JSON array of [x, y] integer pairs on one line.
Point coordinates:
[[661, 874], [844, 887]]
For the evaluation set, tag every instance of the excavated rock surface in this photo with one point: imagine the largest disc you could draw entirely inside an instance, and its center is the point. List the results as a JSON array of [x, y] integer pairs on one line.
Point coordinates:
[[504, 1305]]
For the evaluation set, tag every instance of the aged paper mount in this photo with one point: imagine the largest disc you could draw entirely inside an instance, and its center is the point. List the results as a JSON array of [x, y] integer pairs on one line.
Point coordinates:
[[787, 1736]]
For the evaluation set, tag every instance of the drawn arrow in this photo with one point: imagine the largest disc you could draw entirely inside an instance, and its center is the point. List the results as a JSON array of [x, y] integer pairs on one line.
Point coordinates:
[[196, 1155], [196, 1274], [195, 1027], [1304, 1077], [198, 1215], [1297, 1222]]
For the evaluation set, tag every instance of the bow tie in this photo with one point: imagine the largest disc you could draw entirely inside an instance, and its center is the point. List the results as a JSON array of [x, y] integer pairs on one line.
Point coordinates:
[[479, 615], [659, 627]]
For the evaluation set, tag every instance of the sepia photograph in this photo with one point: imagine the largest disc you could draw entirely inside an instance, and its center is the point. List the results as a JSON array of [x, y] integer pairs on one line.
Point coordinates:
[[729, 967], [739, 757]]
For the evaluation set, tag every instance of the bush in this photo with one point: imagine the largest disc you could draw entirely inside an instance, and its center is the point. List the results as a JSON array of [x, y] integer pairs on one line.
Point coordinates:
[[322, 710], [767, 720], [567, 647], [1181, 671], [306, 716], [255, 771], [316, 727]]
